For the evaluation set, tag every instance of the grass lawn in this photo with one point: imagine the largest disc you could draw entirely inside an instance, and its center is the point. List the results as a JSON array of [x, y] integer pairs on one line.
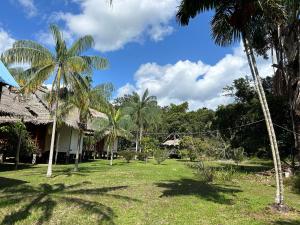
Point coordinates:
[[138, 193]]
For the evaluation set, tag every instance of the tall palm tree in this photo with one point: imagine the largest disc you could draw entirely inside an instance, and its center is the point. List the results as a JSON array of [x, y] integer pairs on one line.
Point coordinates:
[[65, 64], [117, 124], [285, 39], [144, 111], [232, 21]]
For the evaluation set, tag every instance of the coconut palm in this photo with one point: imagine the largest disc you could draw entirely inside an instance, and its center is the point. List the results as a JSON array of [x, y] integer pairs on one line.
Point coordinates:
[[117, 124], [232, 21], [65, 64], [82, 98], [285, 39], [144, 111]]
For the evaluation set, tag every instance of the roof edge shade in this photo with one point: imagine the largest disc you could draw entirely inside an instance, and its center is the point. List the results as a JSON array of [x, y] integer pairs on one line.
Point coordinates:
[[6, 77]]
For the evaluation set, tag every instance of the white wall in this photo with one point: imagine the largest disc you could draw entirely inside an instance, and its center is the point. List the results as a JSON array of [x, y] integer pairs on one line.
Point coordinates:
[[68, 139]]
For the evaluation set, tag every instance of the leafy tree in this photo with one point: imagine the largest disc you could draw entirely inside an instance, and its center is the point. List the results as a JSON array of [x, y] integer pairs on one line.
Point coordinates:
[[65, 63], [160, 155], [18, 141]]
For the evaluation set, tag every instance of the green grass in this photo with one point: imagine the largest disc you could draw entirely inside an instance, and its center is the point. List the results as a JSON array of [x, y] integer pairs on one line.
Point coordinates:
[[138, 193]]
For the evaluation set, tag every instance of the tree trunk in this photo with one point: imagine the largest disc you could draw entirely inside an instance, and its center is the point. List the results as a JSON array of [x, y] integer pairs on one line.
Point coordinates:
[[78, 151], [56, 150], [18, 149], [136, 145], [111, 154], [49, 170], [269, 124], [140, 139], [296, 129]]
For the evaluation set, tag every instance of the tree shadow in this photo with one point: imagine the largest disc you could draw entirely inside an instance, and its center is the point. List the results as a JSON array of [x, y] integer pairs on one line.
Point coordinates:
[[286, 222], [245, 168], [210, 192], [11, 166], [45, 197], [9, 182]]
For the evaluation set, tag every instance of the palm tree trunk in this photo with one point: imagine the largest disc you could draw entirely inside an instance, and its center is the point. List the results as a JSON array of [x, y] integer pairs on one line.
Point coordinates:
[[136, 145], [269, 124], [18, 149], [49, 170], [140, 137], [56, 150], [111, 155], [78, 151]]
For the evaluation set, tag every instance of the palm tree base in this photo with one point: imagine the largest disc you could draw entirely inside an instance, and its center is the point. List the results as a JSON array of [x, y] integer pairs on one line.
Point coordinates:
[[280, 208]]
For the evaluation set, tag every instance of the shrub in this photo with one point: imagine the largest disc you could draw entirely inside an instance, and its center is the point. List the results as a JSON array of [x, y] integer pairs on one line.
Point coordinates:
[[209, 174], [238, 155], [127, 155], [296, 184], [205, 174], [224, 173], [160, 155], [142, 156]]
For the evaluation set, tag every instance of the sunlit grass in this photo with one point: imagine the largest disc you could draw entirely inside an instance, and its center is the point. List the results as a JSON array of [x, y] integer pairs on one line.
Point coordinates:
[[138, 193]]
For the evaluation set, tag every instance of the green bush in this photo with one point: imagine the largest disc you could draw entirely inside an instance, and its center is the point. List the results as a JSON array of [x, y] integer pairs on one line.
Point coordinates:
[[209, 174], [127, 155], [205, 174], [142, 156], [238, 155], [296, 183], [160, 155], [224, 173]]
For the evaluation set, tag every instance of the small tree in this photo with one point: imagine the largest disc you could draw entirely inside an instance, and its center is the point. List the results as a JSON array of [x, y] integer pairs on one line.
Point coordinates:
[[127, 155], [115, 125], [238, 155], [160, 155], [148, 145], [188, 147]]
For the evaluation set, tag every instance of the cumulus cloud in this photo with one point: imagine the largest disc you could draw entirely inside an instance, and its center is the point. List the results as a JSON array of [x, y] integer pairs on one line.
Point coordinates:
[[29, 7], [113, 26], [196, 82], [6, 40]]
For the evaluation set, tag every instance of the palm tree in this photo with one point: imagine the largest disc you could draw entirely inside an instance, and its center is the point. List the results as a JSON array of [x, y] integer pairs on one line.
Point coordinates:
[[144, 111], [83, 98], [285, 39], [117, 124], [65, 64], [232, 21]]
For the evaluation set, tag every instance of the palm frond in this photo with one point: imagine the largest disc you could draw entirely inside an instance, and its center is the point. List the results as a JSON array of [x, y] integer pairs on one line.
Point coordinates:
[[81, 45], [39, 77], [190, 8], [96, 62]]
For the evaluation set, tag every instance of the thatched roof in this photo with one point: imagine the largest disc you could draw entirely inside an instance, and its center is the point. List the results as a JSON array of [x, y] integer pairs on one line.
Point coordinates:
[[31, 108], [72, 118], [174, 142], [34, 109]]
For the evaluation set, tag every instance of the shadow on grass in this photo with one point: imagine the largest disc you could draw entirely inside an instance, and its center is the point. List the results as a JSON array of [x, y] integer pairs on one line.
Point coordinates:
[[11, 166], [9, 182], [245, 168], [210, 192], [45, 197], [286, 222]]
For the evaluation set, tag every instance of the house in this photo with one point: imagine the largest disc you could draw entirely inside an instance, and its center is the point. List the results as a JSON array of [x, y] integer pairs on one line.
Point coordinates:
[[33, 110]]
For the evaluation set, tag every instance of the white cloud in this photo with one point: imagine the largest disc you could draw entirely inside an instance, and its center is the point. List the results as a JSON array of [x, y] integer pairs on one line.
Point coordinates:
[[6, 40], [196, 82], [124, 22], [29, 7]]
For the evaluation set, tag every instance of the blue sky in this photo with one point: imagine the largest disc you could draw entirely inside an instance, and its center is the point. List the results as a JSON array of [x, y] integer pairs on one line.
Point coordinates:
[[145, 46]]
